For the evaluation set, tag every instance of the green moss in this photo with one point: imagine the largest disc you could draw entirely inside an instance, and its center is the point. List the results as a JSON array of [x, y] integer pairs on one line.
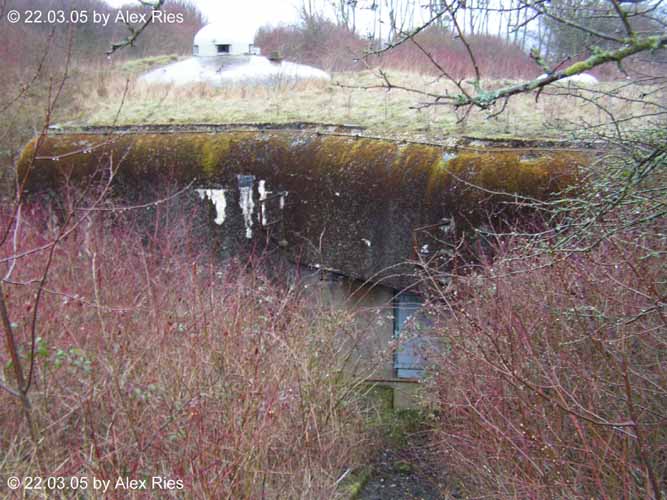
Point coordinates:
[[354, 484], [599, 57], [404, 423], [427, 157], [379, 399], [578, 67], [343, 191], [351, 155], [512, 173], [398, 171], [403, 467], [213, 151]]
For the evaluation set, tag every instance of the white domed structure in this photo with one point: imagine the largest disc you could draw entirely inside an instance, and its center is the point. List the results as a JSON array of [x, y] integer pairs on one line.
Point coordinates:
[[225, 55], [219, 39], [582, 79]]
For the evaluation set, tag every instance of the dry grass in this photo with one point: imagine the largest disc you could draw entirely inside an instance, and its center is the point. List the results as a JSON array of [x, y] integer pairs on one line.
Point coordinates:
[[384, 113], [139, 66]]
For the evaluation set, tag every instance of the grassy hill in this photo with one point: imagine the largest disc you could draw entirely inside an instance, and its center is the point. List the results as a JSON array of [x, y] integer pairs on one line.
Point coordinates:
[[354, 98]]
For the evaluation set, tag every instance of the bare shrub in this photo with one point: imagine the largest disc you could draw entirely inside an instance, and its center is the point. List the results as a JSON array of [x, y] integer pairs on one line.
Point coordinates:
[[495, 57], [318, 42], [554, 383], [322, 43], [153, 360]]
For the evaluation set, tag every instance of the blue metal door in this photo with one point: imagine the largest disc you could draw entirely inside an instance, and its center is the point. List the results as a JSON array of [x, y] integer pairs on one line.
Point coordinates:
[[408, 324]]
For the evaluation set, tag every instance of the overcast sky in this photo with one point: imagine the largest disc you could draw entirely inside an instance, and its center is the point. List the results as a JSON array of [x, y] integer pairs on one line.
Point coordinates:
[[247, 15]]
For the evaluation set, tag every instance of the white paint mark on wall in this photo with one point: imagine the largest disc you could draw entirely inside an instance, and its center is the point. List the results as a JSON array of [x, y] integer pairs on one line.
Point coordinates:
[[264, 198], [263, 208], [217, 197], [263, 193], [246, 202]]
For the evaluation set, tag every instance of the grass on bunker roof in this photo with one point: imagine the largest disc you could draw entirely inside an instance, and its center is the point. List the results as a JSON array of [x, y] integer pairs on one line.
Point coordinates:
[[394, 113]]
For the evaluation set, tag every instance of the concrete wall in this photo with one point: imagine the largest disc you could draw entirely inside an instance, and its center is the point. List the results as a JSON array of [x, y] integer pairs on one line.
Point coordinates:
[[362, 208]]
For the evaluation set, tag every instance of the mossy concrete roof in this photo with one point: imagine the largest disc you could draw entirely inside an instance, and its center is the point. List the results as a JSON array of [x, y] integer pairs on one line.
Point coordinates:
[[361, 206]]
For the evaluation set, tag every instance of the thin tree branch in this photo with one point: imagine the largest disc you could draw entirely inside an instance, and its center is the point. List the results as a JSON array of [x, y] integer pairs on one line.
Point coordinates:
[[134, 33]]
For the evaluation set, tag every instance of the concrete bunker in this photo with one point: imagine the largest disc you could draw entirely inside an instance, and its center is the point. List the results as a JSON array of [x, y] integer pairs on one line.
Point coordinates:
[[223, 55], [359, 213], [223, 38]]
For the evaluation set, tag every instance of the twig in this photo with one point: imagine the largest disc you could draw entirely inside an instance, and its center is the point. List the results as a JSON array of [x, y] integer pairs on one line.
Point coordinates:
[[134, 33]]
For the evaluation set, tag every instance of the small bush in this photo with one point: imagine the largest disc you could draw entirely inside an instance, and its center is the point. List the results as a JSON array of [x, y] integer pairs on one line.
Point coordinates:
[[319, 43], [154, 360], [554, 384], [495, 57], [322, 43]]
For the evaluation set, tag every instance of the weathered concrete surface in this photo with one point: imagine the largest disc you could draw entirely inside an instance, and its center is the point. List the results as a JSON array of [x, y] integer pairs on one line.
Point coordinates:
[[360, 206]]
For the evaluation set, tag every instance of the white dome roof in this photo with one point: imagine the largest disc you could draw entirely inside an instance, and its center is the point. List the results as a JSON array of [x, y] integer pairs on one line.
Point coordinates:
[[228, 33]]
